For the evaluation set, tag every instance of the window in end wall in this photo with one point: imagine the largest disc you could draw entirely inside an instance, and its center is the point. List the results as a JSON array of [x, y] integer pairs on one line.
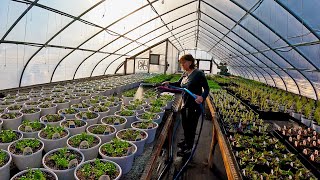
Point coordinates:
[[155, 59]]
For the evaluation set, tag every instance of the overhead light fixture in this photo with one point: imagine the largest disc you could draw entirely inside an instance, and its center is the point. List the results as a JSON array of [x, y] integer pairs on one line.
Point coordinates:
[[162, 2]]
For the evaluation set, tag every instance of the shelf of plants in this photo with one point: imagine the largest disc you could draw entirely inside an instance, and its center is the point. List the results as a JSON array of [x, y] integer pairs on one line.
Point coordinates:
[[258, 153], [62, 129]]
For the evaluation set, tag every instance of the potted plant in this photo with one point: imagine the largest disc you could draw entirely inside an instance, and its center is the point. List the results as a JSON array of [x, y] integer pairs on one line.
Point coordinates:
[[14, 108], [21, 100], [84, 96], [113, 107], [35, 96], [32, 114], [47, 108], [136, 136], [147, 116], [52, 119], [96, 168], [73, 99], [115, 99], [33, 104], [128, 114], [35, 173], [8, 136], [69, 113], [103, 111], [168, 98], [88, 144], [138, 109], [30, 129], [104, 131], [26, 153], [61, 103], [53, 137], [149, 126], [116, 121], [299, 107], [91, 102], [46, 99], [317, 119], [100, 98], [128, 96], [81, 106], [63, 162], [156, 110], [5, 161], [11, 120], [74, 126], [148, 95], [139, 102], [158, 103], [119, 151], [5, 104]]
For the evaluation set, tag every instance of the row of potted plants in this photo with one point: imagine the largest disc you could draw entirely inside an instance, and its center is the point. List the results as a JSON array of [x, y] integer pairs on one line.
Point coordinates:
[[258, 155], [268, 98]]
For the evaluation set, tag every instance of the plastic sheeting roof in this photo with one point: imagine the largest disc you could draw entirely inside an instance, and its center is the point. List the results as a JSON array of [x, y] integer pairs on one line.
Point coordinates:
[[272, 41]]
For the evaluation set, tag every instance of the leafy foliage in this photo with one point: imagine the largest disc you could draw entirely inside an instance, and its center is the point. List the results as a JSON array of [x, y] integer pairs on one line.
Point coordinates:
[[50, 130], [62, 157], [98, 168], [23, 143], [76, 140], [116, 148], [33, 174], [4, 158], [7, 136]]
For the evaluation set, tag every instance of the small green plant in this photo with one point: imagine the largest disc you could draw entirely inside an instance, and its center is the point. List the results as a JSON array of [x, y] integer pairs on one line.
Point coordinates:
[[125, 112], [77, 122], [167, 97], [116, 148], [35, 125], [70, 111], [158, 102], [46, 99], [49, 131], [100, 129], [60, 100], [114, 99], [155, 109], [4, 158], [317, 115], [30, 110], [11, 115], [80, 105], [87, 115], [7, 136], [98, 108], [33, 103], [132, 107], [61, 158], [130, 134], [76, 140], [33, 174], [96, 169], [144, 124], [130, 93], [148, 116], [20, 145], [53, 117], [46, 105], [138, 102], [113, 119], [15, 107]]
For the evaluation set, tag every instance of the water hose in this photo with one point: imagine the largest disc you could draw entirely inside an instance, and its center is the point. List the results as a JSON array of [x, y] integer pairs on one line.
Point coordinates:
[[179, 173]]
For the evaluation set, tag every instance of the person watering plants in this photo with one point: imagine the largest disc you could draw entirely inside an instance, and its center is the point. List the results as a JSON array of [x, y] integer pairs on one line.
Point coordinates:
[[195, 81]]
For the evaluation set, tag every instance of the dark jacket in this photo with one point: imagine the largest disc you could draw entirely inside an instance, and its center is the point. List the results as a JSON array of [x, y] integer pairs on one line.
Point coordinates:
[[194, 83]]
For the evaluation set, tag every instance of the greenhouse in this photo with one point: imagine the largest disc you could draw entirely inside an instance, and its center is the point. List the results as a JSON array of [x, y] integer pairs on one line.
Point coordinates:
[[159, 89]]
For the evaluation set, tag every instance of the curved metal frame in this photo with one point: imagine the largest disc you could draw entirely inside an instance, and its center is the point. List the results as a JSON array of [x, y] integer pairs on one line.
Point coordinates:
[[260, 40], [278, 35], [297, 50]]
